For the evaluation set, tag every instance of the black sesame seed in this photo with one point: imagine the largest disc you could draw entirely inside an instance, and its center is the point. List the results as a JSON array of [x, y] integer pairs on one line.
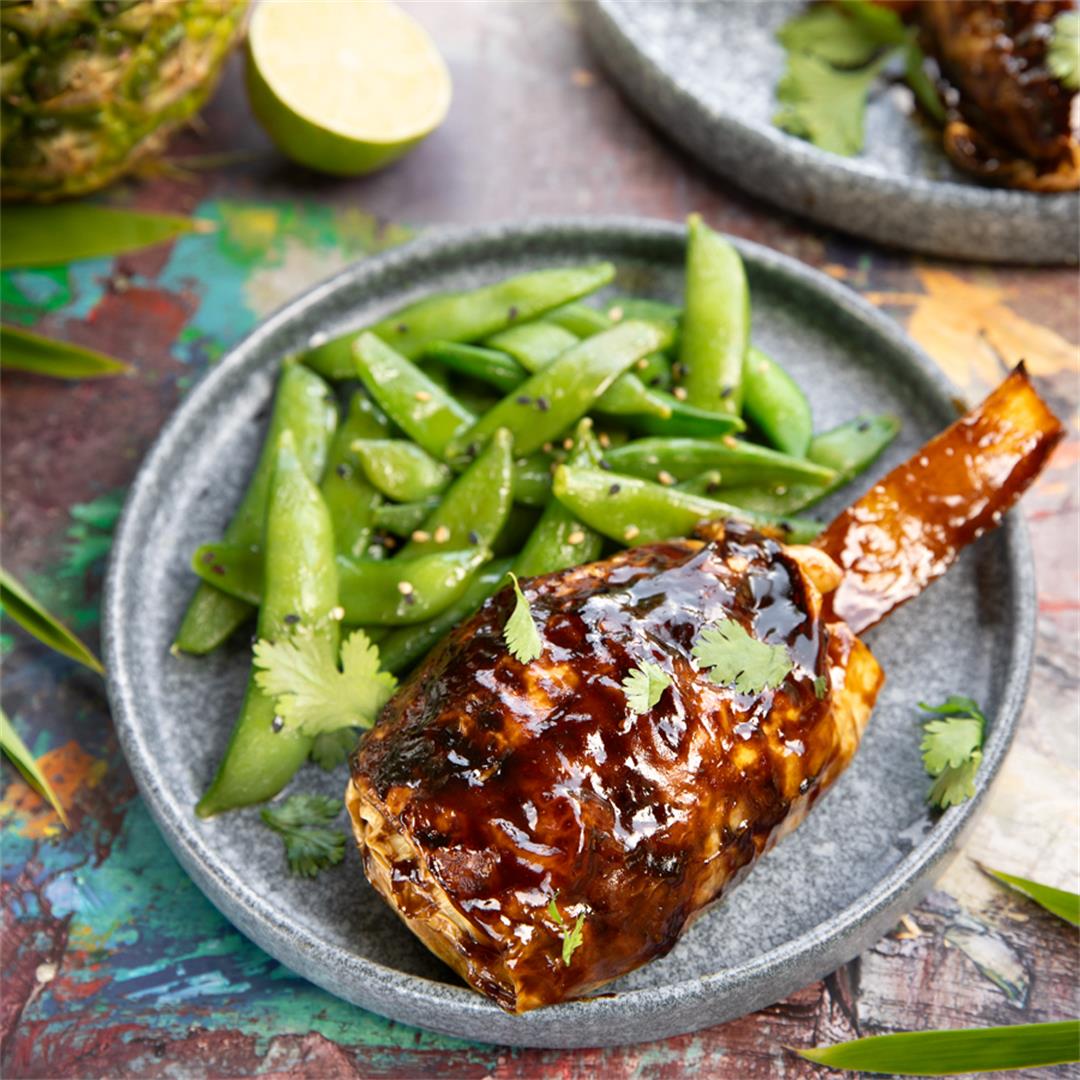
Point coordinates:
[[863, 425], [543, 404], [208, 557], [614, 489], [474, 537], [512, 313], [343, 471], [291, 620], [402, 328], [410, 599], [727, 391], [604, 464], [277, 723], [712, 487], [524, 399]]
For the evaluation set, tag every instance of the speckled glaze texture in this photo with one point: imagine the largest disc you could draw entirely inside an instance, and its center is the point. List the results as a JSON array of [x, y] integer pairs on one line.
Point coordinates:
[[706, 72], [866, 854]]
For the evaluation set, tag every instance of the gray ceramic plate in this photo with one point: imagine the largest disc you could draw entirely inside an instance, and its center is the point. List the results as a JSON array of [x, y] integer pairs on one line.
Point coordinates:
[[706, 72], [865, 855]]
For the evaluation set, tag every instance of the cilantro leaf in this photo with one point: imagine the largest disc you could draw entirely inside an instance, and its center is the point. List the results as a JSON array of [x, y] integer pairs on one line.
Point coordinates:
[[952, 749], [331, 748], [821, 687], [645, 686], [311, 693], [573, 940], [830, 35], [520, 633], [735, 658], [301, 822], [824, 104], [1063, 52], [554, 912]]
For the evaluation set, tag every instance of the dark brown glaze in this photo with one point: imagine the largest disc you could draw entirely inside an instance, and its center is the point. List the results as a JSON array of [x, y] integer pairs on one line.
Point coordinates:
[[1008, 114], [490, 787], [907, 530]]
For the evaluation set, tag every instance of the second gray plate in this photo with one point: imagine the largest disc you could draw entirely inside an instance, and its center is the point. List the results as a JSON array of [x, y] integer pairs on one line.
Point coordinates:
[[865, 855], [706, 72]]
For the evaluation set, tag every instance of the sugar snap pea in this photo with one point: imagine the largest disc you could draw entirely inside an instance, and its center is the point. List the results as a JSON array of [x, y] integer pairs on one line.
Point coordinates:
[[847, 449], [419, 406], [641, 307], [653, 370], [551, 400], [559, 539], [473, 510], [405, 645], [739, 462], [532, 479], [301, 589], [349, 498], [634, 511], [579, 319], [304, 405], [492, 366], [775, 404], [400, 469], [467, 317], [716, 321], [402, 518], [687, 420], [533, 345]]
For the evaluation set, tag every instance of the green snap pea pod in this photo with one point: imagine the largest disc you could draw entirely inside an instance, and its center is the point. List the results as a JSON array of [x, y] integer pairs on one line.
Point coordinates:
[[579, 319], [532, 479], [406, 645], [847, 449], [474, 508], [634, 511], [492, 366], [475, 398], [533, 345], [235, 569], [403, 518], [551, 400], [774, 403], [708, 482], [469, 316], [520, 522], [300, 589], [400, 469], [305, 406], [716, 322], [629, 396], [559, 540], [739, 462], [687, 421], [403, 592], [642, 307], [585, 321], [349, 497], [419, 406]]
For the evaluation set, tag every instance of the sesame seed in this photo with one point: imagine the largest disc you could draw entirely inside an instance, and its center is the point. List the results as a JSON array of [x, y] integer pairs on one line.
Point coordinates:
[[604, 464], [730, 442], [402, 328], [291, 620], [604, 439], [277, 724], [543, 404], [575, 537], [615, 313], [631, 532], [863, 425], [680, 392], [665, 478], [474, 537], [523, 399], [208, 557], [512, 313], [727, 391], [568, 444], [343, 471], [547, 447], [642, 364], [614, 489], [405, 588], [422, 395], [442, 534], [420, 537], [337, 614], [781, 489]]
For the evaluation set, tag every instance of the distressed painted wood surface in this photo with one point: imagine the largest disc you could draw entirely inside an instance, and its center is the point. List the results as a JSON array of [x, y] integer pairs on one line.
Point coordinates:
[[113, 962]]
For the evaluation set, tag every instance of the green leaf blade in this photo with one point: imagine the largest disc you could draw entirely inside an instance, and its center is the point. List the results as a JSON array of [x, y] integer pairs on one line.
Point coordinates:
[[32, 236], [21, 350], [36, 621], [520, 633], [19, 754], [949, 1052], [734, 658], [1060, 902]]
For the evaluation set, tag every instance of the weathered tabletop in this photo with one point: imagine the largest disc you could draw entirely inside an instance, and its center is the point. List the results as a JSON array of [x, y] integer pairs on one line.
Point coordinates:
[[113, 962]]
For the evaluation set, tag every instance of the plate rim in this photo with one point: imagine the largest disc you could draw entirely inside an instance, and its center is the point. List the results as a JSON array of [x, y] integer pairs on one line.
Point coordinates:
[[1015, 210], [414, 997]]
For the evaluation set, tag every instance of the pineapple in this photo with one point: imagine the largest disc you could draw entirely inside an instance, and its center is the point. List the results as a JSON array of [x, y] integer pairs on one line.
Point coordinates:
[[88, 88]]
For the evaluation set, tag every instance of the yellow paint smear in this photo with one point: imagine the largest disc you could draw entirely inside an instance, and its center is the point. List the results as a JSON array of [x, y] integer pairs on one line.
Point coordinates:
[[69, 769]]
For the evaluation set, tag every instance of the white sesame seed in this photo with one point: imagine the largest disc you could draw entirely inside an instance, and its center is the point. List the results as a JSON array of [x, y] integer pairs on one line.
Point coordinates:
[[575, 537], [680, 392], [420, 536], [422, 395], [631, 532], [442, 534], [405, 588], [665, 478]]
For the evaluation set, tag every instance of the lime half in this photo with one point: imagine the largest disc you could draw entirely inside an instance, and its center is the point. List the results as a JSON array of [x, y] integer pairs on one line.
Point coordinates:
[[344, 86]]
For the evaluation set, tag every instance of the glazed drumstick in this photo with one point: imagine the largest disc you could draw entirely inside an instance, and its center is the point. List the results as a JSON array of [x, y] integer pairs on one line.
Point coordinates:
[[541, 836]]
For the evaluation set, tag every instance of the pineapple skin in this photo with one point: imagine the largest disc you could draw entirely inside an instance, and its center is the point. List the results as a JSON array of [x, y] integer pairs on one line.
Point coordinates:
[[90, 88]]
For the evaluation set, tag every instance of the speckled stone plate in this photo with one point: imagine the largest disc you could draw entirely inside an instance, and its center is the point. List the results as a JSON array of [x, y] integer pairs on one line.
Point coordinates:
[[706, 71], [865, 855]]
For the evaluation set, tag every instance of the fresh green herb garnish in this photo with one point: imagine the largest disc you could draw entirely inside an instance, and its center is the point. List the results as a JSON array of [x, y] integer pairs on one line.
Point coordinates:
[[946, 1053], [19, 754], [830, 35], [302, 823], [554, 912], [331, 748], [952, 749], [821, 687], [520, 633], [573, 940], [735, 658], [312, 693], [1060, 902], [645, 686], [1063, 53]]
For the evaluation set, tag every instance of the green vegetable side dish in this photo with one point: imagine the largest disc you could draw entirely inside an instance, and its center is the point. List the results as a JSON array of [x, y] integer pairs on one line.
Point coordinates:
[[405, 517]]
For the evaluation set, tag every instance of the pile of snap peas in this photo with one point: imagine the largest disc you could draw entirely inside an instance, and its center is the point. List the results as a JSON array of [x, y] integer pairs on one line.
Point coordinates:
[[408, 467]]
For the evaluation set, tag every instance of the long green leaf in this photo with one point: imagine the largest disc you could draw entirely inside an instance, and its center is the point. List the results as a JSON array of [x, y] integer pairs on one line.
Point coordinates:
[[11, 743], [1065, 905], [21, 350], [35, 620], [54, 235], [945, 1053]]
